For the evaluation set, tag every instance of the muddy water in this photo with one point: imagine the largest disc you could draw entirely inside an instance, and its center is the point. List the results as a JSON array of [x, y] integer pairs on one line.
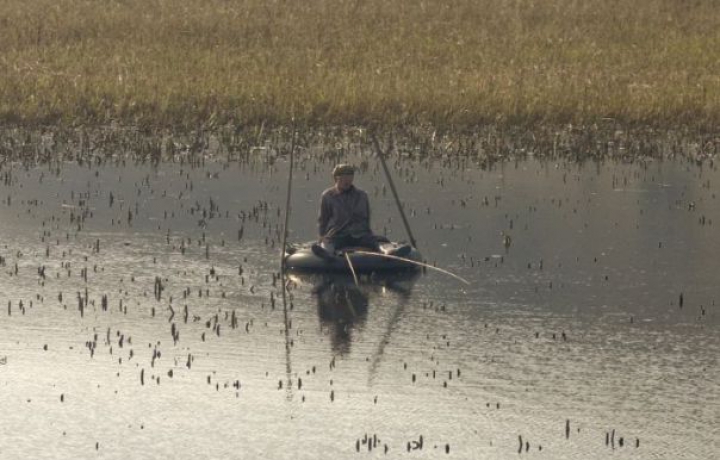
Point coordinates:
[[142, 315]]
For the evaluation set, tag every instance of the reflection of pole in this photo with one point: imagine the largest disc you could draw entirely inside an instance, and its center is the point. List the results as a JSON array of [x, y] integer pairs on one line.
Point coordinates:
[[391, 326], [392, 188], [288, 366]]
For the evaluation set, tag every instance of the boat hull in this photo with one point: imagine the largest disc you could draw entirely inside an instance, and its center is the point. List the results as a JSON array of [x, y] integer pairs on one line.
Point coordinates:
[[303, 259]]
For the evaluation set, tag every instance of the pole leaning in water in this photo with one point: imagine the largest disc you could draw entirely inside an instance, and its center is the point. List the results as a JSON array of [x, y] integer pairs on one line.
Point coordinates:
[[381, 155], [288, 365], [287, 203]]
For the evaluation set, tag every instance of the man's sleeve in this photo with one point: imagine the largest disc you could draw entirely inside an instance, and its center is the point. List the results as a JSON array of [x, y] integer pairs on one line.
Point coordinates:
[[367, 207], [323, 217]]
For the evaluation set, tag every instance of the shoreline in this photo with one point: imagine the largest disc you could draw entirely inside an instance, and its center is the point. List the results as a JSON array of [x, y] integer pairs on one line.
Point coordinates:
[[484, 145]]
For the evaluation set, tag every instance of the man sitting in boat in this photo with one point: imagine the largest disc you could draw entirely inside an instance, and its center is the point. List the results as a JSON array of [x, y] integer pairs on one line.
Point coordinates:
[[344, 219]]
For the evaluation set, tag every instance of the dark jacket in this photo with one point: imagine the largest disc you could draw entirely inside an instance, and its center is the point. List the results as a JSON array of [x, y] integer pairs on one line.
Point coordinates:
[[344, 213]]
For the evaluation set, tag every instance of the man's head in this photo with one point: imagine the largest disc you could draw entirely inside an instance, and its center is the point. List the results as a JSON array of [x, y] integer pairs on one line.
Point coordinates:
[[343, 175]]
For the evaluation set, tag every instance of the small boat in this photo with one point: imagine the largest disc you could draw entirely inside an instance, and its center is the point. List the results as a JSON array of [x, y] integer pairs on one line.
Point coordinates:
[[363, 260]]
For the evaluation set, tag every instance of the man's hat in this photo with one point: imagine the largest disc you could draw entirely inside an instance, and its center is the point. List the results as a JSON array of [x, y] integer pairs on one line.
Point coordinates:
[[343, 169]]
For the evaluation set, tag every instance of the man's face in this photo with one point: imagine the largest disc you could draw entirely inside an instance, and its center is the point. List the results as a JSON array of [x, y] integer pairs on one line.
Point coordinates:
[[344, 182]]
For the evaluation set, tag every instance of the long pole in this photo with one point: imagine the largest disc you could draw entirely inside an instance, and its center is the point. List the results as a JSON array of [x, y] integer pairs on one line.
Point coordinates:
[[415, 262], [287, 202], [352, 269], [381, 155], [284, 287]]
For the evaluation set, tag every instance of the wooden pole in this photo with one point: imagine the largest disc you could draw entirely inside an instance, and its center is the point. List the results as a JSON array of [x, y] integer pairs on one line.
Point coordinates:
[[381, 155], [414, 262], [287, 202], [284, 287], [352, 269]]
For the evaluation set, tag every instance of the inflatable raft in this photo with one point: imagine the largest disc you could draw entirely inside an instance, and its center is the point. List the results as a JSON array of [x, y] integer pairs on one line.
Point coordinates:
[[363, 260]]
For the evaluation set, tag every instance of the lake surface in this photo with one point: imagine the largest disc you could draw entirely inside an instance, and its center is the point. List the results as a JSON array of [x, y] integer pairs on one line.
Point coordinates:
[[142, 313]]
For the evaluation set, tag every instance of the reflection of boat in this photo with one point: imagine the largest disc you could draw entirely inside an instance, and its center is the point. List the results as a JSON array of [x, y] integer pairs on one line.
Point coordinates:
[[302, 258], [344, 305], [342, 308]]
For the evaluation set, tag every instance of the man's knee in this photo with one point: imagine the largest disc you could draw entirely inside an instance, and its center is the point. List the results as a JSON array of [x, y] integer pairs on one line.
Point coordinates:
[[328, 245], [370, 241]]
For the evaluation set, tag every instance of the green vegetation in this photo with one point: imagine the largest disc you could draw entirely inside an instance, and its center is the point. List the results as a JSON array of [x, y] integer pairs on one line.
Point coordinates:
[[447, 63]]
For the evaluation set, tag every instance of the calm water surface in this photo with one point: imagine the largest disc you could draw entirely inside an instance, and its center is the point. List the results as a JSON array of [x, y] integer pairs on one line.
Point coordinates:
[[142, 314]]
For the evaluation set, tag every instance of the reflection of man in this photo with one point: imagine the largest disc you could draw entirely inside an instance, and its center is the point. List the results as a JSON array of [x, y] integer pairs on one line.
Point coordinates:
[[342, 308], [344, 219]]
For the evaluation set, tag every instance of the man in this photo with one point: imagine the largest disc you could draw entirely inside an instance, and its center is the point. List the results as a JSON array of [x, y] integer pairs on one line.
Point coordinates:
[[345, 217]]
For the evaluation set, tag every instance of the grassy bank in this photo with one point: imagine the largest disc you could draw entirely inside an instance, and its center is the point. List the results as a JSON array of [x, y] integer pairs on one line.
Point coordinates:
[[447, 63]]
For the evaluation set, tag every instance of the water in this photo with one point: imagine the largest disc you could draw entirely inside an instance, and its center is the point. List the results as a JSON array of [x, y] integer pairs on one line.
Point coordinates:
[[589, 328]]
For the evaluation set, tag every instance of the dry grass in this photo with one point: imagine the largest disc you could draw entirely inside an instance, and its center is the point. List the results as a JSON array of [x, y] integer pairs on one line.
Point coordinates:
[[445, 62]]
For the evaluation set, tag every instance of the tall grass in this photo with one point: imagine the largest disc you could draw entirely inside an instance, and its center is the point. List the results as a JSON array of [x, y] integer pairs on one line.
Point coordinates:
[[443, 62]]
